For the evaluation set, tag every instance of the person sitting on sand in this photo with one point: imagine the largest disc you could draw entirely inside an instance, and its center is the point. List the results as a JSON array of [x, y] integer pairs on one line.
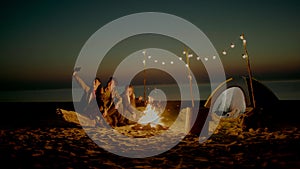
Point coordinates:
[[129, 104], [112, 103], [90, 98]]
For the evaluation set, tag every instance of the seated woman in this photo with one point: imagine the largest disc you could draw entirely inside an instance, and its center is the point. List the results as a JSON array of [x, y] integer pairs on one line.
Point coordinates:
[[129, 105], [112, 103], [88, 103]]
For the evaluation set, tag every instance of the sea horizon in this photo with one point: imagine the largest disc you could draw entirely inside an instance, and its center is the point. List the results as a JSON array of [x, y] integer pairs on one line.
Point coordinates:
[[284, 90]]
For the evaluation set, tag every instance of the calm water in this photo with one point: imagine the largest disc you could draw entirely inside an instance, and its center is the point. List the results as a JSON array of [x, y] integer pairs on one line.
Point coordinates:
[[284, 90]]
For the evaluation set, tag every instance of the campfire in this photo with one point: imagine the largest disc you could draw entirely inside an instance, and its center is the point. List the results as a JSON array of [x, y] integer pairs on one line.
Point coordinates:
[[151, 116], [150, 119]]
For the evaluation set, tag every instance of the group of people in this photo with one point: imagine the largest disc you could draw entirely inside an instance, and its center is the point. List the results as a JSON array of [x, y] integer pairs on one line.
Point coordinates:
[[117, 109]]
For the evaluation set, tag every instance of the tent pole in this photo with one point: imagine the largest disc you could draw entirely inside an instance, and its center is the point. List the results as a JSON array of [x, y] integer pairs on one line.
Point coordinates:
[[249, 69], [189, 76], [144, 74]]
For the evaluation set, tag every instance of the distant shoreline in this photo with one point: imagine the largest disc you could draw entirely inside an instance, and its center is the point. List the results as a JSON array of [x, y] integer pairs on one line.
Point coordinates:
[[284, 90]]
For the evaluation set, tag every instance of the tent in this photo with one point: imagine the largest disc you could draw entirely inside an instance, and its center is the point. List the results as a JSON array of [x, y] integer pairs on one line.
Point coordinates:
[[233, 98], [264, 97]]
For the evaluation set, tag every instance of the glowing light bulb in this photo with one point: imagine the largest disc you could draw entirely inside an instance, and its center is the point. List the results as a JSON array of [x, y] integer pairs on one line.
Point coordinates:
[[198, 58], [184, 52], [190, 55], [155, 61], [163, 63], [180, 58], [224, 52], [244, 56], [144, 52], [186, 65], [149, 57], [144, 62], [244, 41], [241, 37], [206, 59], [172, 62], [232, 45], [214, 57]]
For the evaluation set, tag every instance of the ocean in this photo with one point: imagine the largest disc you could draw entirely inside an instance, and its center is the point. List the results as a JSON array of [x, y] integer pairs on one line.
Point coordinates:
[[284, 90]]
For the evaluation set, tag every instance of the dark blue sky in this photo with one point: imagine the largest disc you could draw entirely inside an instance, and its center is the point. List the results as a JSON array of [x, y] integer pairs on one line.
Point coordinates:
[[41, 40]]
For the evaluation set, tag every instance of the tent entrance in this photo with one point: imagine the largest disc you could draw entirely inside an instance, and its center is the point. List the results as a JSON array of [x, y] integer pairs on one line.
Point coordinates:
[[230, 103]]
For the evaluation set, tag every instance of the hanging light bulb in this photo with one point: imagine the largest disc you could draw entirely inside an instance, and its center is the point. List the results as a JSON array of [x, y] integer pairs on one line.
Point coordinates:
[[163, 63], [232, 45], [224, 52], [144, 52], [144, 62], [186, 65], [242, 37], [198, 58], [184, 52], [155, 61], [244, 56], [190, 55], [206, 59], [172, 62], [214, 57], [149, 57], [244, 41], [180, 58]]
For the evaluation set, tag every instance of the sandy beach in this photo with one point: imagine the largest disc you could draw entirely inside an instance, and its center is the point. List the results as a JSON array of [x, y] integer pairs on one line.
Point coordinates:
[[72, 148], [51, 143]]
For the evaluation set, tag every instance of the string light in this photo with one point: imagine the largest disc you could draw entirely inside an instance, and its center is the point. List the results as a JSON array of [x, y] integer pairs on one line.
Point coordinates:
[[224, 52], [232, 45], [241, 37]]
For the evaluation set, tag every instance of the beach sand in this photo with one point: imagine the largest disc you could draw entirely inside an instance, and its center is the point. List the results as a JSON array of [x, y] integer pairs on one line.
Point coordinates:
[[72, 148], [54, 144]]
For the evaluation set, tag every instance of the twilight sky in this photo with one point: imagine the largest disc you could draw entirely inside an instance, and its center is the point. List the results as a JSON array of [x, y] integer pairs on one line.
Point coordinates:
[[41, 40]]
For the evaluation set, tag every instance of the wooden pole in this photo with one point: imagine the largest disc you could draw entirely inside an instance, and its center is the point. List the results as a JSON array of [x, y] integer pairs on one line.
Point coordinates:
[[144, 73], [189, 76], [249, 70]]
